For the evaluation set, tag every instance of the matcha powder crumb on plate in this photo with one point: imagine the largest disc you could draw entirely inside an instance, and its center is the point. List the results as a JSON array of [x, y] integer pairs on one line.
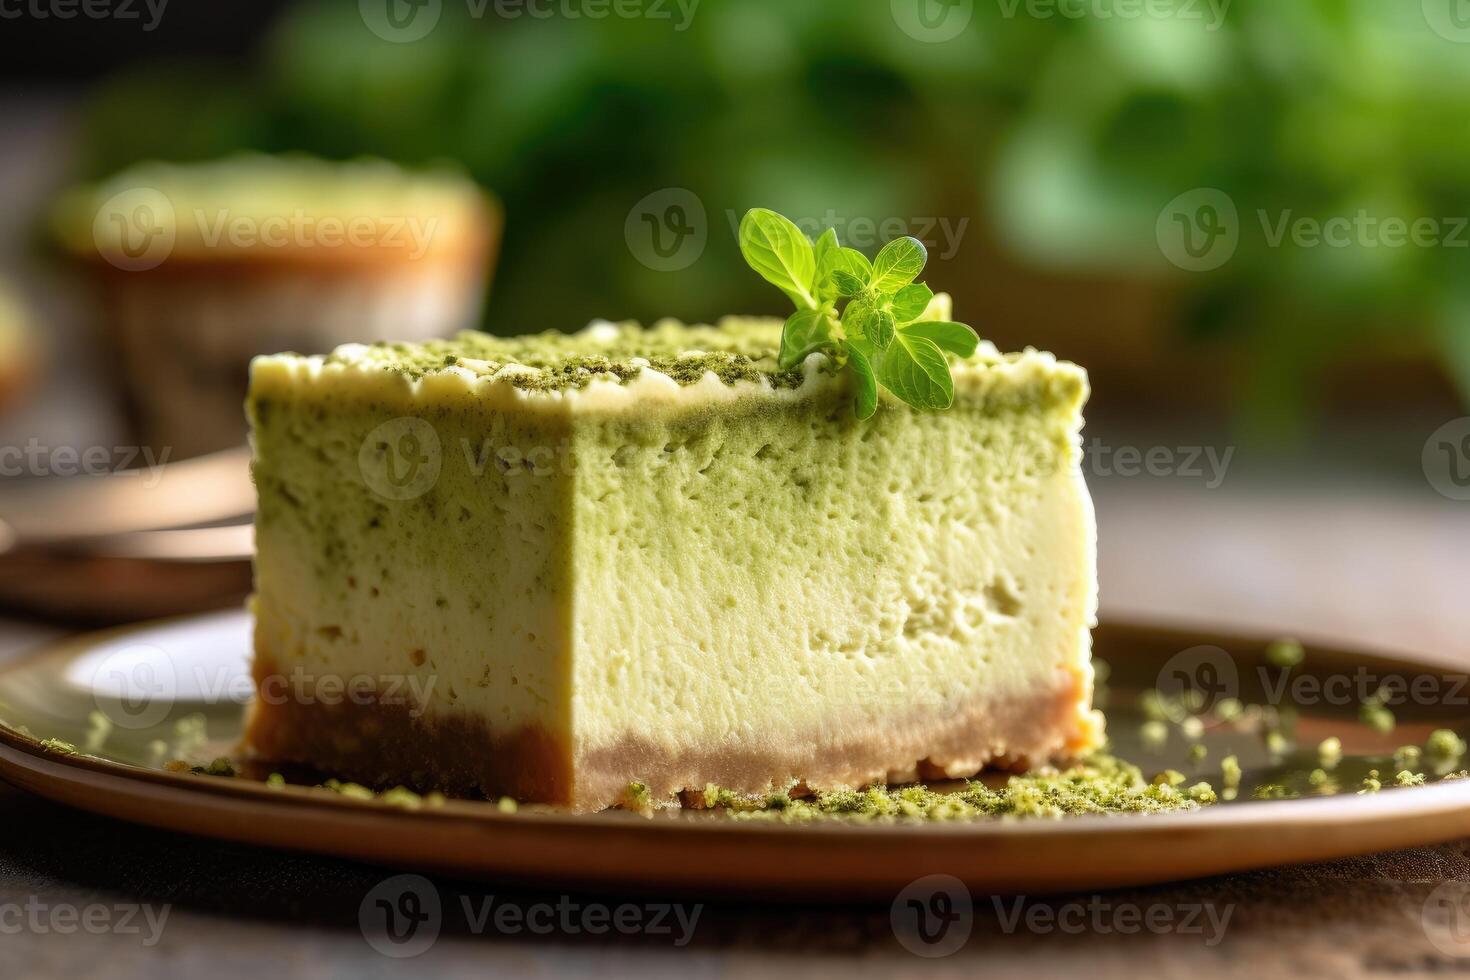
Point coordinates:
[[1192, 783]]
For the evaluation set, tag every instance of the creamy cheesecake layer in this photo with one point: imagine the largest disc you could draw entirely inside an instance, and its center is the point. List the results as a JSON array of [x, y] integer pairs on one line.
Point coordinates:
[[651, 556]]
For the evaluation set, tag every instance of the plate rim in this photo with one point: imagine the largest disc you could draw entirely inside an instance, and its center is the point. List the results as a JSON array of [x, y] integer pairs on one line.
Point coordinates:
[[25, 761], [1304, 809]]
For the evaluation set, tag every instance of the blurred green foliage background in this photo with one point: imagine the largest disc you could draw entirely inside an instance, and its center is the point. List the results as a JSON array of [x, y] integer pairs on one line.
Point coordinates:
[[1055, 134]]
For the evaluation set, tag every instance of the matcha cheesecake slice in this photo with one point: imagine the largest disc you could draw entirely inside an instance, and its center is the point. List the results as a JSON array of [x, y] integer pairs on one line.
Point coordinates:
[[556, 566]]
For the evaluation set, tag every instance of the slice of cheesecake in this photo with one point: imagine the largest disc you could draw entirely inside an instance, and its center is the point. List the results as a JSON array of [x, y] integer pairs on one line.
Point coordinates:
[[554, 566]]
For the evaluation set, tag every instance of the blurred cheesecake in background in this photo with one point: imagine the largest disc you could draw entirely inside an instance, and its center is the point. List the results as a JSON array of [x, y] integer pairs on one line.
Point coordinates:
[[19, 352], [202, 266]]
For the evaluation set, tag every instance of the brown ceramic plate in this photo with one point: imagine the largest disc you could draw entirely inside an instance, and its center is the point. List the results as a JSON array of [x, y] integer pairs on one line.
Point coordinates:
[[197, 667]]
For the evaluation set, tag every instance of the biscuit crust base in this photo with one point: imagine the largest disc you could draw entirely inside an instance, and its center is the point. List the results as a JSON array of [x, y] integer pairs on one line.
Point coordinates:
[[385, 745]]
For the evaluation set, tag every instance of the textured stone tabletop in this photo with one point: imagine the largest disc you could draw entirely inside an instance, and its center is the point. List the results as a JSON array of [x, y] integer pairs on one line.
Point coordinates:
[[171, 906]]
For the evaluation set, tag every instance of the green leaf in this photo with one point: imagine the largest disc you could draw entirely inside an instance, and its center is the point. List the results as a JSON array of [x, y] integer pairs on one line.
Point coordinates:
[[954, 337], [831, 256], [825, 249], [910, 302], [824, 252], [861, 345], [881, 328], [915, 370], [844, 283], [941, 307], [866, 383], [853, 261], [804, 332], [898, 264], [780, 252], [857, 319], [879, 334]]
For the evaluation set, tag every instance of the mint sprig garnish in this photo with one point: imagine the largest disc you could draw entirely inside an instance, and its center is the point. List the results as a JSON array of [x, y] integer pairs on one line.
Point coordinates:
[[865, 315]]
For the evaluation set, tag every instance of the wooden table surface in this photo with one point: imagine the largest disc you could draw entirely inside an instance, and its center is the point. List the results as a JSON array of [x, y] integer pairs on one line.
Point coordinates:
[[1384, 565]]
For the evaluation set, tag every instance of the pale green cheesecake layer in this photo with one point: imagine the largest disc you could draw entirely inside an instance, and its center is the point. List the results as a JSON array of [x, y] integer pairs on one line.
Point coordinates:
[[651, 556]]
